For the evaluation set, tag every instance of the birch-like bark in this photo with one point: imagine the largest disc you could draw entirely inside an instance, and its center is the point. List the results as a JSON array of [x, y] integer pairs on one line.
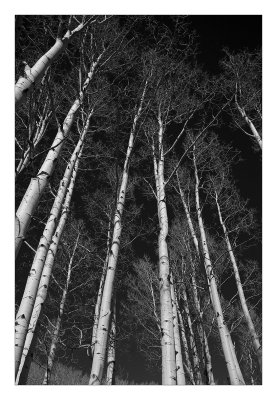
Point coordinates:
[[201, 329], [250, 124], [105, 310], [195, 358], [111, 348], [46, 273], [56, 334], [181, 379], [25, 85], [100, 293], [244, 306], [167, 332], [223, 330], [29, 296], [187, 363], [38, 184]]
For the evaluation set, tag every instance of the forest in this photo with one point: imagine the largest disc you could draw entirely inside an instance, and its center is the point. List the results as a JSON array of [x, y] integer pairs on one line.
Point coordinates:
[[138, 158]]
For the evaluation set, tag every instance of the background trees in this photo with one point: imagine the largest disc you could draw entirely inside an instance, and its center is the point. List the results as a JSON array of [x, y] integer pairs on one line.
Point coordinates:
[[149, 284]]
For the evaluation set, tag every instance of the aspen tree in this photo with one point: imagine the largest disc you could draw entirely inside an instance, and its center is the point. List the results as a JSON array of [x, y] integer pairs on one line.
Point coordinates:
[[111, 347], [47, 271], [244, 306], [202, 332], [105, 310], [25, 85], [56, 333], [29, 296], [229, 355], [187, 363], [195, 358], [181, 380]]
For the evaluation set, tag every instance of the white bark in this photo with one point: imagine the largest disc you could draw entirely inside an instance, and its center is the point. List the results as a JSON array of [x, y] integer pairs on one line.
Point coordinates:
[[244, 306], [25, 85], [223, 330], [29, 296], [202, 333], [248, 121], [195, 358], [38, 184], [100, 293], [188, 365], [56, 332], [46, 273], [105, 310], [181, 379], [111, 348], [167, 339]]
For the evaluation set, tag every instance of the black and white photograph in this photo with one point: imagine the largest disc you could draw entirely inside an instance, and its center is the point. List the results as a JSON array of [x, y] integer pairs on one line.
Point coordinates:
[[138, 199]]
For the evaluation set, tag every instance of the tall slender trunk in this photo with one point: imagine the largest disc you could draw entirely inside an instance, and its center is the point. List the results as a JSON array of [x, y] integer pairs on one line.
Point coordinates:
[[38, 184], [56, 334], [25, 85], [181, 380], [250, 124], [167, 331], [105, 310], [46, 274], [29, 296], [111, 347], [201, 330], [244, 306], [223, 330], [188, 365], [195, 358], [100, 293]]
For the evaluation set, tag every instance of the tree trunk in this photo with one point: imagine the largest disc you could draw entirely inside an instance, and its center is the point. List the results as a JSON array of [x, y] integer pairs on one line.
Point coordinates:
[[46, 273], [195, 358], [223, 330], [38, 184], [188, 365], [167, 332], [100, 293], [250, 124], [181, 380], [25, 85], [105, 310], [201, 329], [247, 316], [29, 296], [111, 347], [56, 333]]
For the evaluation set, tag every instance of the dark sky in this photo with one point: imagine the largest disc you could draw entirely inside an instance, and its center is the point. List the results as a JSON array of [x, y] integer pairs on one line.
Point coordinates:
[[214, 32]]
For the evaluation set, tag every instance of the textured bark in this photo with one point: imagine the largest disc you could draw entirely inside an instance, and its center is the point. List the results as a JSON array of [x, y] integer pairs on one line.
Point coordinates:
[[38, 184], [111, 348], [195, 358], [29, 296], [244, 306], [56, 334], [105, 310], [167, 332], [229, 355], [25, 85], [250, 124], [46, 274], [201, 330], [187, 363], [181, 380], [100, 293]]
